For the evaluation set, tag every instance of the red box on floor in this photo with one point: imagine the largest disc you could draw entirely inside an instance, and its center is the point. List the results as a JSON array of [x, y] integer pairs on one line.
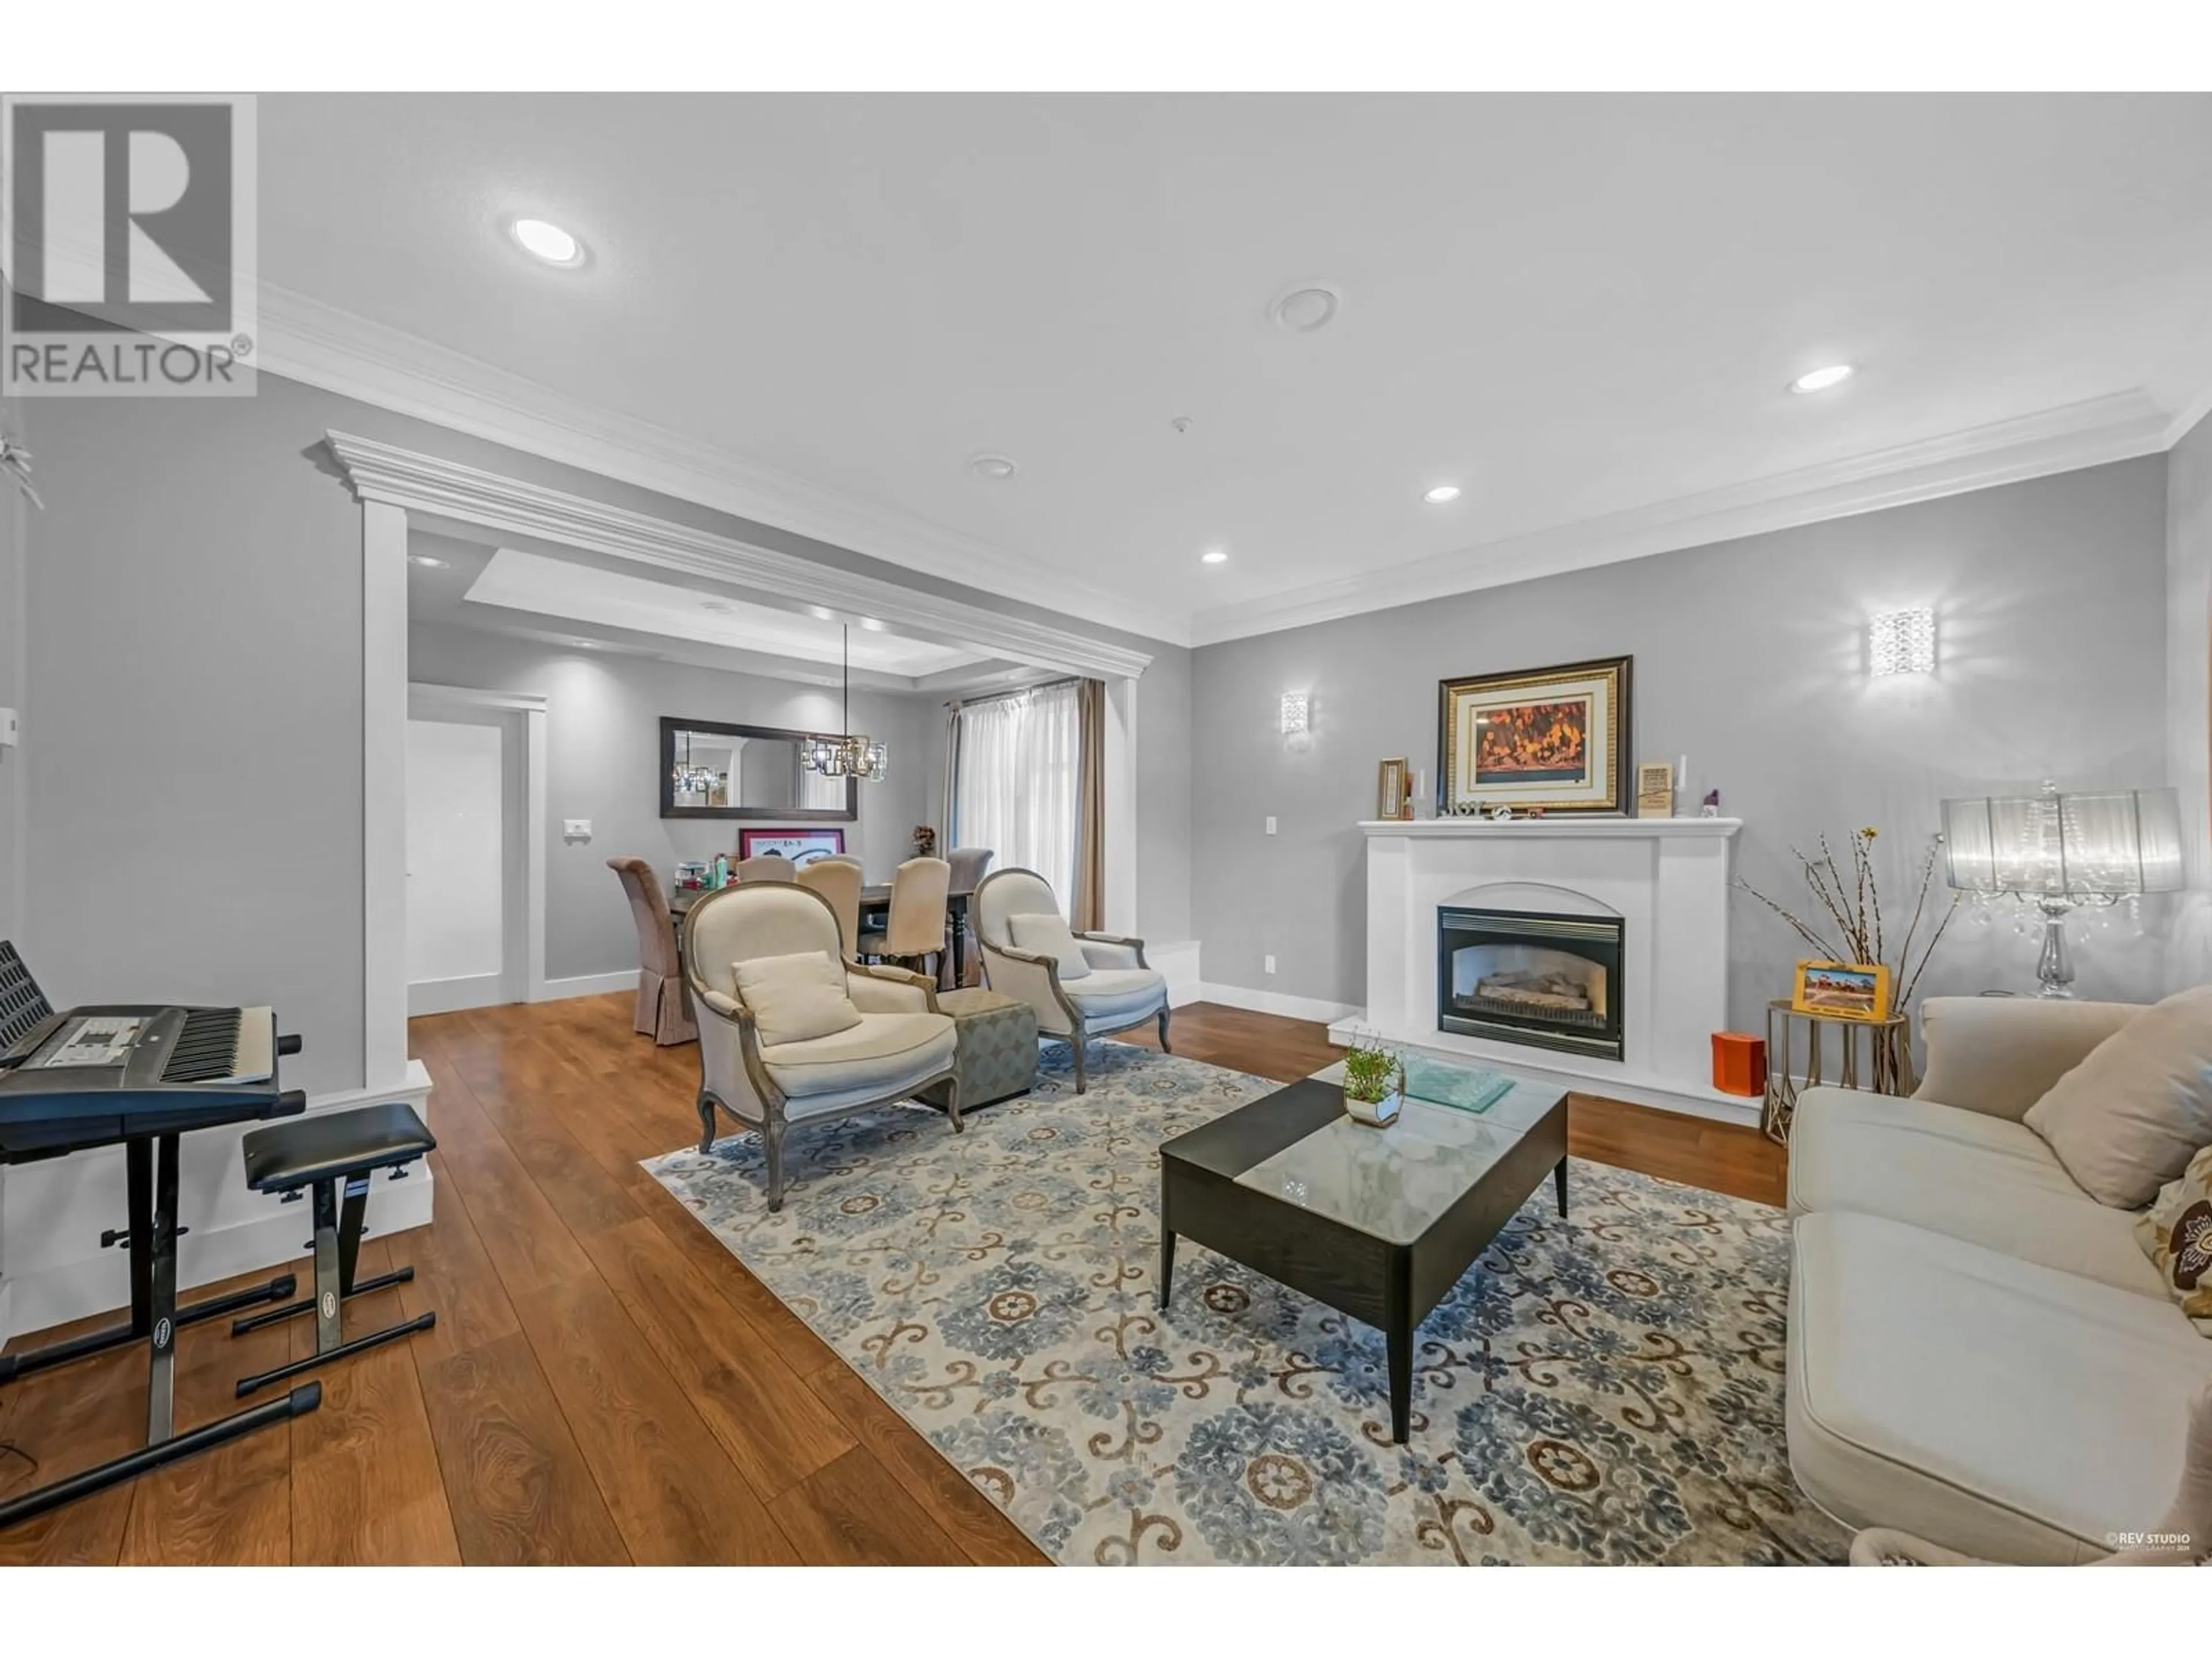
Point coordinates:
[[1738, 1063]]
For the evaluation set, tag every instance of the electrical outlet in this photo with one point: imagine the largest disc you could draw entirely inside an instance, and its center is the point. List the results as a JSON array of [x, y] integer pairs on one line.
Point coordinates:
[[1268, 964], [575, 829], [1271, 824]]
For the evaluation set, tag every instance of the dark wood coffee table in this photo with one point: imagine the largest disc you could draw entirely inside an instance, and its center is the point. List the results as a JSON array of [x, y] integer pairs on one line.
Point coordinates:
[[1379, 1224]]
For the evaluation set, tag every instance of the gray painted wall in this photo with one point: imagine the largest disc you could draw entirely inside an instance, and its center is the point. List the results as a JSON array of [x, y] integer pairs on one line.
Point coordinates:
[[194, 762], [603, 761], [13, 645], [2050, 597], [195, 583], [2189, 689]]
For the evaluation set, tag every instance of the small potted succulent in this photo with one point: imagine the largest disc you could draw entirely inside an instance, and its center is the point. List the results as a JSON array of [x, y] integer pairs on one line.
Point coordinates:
[[1374, 1082]]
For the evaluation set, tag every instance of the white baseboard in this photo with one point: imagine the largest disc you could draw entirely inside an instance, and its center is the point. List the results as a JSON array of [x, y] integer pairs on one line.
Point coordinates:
[[1178, 961], [1589, 1076], [447, 996], [264, 1232], [588, 985], [1275, 1002]]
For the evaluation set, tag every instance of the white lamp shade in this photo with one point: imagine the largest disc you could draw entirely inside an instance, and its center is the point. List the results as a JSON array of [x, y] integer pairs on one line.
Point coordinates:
[[2101, 844]]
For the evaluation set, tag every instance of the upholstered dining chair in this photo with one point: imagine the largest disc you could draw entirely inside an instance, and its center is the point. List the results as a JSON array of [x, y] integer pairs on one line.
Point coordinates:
[[1080, 986], [914, 931], [791, 1031], [766, 867], [838, 880], [969, 864], [660, 1012]]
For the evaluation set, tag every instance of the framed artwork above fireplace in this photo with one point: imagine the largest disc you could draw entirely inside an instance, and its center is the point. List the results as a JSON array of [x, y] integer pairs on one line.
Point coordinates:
[[1547, 739]]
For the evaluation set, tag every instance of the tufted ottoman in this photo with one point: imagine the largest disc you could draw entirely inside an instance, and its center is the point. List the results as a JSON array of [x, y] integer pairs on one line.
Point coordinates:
[[997, 1053]]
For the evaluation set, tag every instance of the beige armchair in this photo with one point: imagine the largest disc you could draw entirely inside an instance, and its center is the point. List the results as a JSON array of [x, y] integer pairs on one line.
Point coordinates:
[[899, 1045], [1117, 990]]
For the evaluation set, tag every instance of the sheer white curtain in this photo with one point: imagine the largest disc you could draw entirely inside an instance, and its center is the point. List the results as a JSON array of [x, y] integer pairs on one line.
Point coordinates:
[[1014, 782]]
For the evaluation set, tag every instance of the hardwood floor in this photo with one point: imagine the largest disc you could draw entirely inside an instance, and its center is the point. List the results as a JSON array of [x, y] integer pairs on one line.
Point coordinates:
[[606, 1383]]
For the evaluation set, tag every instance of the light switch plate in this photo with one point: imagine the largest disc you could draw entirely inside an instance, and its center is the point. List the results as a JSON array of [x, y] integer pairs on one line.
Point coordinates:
[[1271, 824], [1268, 963], [575, 829], [8, 728]]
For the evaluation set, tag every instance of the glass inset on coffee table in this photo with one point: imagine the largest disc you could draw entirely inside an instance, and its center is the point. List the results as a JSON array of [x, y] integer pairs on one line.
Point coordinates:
[[1377, 1223]]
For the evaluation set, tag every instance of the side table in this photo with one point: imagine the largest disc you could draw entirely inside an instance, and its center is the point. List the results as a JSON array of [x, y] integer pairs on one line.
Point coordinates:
[[1887, 1069], [997, 1055]]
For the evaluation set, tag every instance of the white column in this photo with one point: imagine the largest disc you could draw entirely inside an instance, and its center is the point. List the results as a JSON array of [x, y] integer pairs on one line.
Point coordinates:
[[534, 786], [384, 794], [1121, 806]]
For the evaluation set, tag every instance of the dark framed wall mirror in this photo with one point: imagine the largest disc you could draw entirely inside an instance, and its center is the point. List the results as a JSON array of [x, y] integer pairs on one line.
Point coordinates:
[[710, 770]]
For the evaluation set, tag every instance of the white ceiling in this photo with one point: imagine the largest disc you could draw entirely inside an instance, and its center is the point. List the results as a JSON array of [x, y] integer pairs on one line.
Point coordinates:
[[1578, 307]]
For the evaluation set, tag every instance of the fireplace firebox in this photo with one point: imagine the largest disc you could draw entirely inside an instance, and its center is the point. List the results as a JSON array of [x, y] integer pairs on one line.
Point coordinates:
[[1550, 981]]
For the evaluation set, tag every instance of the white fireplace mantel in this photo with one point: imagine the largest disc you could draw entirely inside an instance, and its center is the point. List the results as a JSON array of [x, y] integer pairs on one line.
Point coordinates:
[[1666, 878], [1594, 827]]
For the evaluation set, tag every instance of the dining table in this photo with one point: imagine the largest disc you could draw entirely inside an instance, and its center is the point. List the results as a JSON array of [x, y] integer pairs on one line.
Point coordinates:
[[875, 904]]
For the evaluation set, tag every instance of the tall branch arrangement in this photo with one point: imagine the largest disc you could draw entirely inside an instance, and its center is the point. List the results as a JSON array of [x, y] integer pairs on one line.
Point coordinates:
[[15, 463], [1849, 899]]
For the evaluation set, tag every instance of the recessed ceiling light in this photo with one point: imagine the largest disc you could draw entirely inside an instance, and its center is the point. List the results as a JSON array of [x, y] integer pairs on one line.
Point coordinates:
[[722, 607], [1437, 494], [821, 613], [425, 561], [1306, 308], [585, 645], [991, 466], [1214, 555], [871, 624], [546, 240], [1821, 379]]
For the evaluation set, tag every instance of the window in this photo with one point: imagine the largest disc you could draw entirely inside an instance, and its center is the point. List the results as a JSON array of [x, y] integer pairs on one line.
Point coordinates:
[[1016, 775]]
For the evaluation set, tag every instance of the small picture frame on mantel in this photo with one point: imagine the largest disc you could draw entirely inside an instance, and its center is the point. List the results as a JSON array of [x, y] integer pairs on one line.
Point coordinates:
[[1655, 790], [1390, 800]]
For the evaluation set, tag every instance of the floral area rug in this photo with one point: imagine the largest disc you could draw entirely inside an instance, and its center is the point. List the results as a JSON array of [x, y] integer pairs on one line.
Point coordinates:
[[1604, 1390]]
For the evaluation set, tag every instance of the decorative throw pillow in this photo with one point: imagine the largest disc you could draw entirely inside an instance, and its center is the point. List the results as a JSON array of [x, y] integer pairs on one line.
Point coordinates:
[[797, 998], [2175, 1234], [1047, 935], [2130, 1117]]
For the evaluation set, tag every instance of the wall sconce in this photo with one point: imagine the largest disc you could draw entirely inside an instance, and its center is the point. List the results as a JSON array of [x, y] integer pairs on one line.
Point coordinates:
[[1902, 642], [1298, 718]]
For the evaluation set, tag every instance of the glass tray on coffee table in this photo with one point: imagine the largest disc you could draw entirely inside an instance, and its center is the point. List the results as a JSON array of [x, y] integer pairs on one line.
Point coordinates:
[[1377, 1223]]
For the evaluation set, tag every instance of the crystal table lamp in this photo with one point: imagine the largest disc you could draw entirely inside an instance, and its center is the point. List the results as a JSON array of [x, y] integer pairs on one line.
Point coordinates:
[[2059, 852]]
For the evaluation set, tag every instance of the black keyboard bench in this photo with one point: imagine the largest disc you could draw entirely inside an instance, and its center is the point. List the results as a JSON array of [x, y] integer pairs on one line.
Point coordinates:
[[316, 1154]]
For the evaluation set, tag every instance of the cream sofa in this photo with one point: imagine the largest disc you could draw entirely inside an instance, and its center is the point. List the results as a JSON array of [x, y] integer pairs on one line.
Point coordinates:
[[1979, 1353]]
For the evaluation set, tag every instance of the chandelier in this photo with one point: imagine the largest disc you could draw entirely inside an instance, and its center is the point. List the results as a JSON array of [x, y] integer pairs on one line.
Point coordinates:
[[690, 779], [848, 755]]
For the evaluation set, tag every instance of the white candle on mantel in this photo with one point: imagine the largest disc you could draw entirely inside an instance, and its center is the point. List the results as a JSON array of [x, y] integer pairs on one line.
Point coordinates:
[[1682, 772]]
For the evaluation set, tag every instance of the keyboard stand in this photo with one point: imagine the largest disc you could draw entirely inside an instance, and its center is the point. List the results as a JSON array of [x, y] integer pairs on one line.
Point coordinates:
[[151, 1170]]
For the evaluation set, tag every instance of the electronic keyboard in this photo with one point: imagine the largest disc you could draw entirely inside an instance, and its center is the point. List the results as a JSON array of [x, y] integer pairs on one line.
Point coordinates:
[[95, 1076]]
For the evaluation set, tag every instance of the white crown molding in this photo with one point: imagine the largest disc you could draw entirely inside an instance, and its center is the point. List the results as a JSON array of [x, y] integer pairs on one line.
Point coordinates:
[[305, 340], [2110, 428], [416, 482], [2185, 422]]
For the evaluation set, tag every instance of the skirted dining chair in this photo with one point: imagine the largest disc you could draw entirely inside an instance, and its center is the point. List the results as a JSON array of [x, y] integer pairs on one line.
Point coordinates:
[[915, 930], [1080, 986], [766, 867], [660, 1012], [790, 1031], [838, 880]]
